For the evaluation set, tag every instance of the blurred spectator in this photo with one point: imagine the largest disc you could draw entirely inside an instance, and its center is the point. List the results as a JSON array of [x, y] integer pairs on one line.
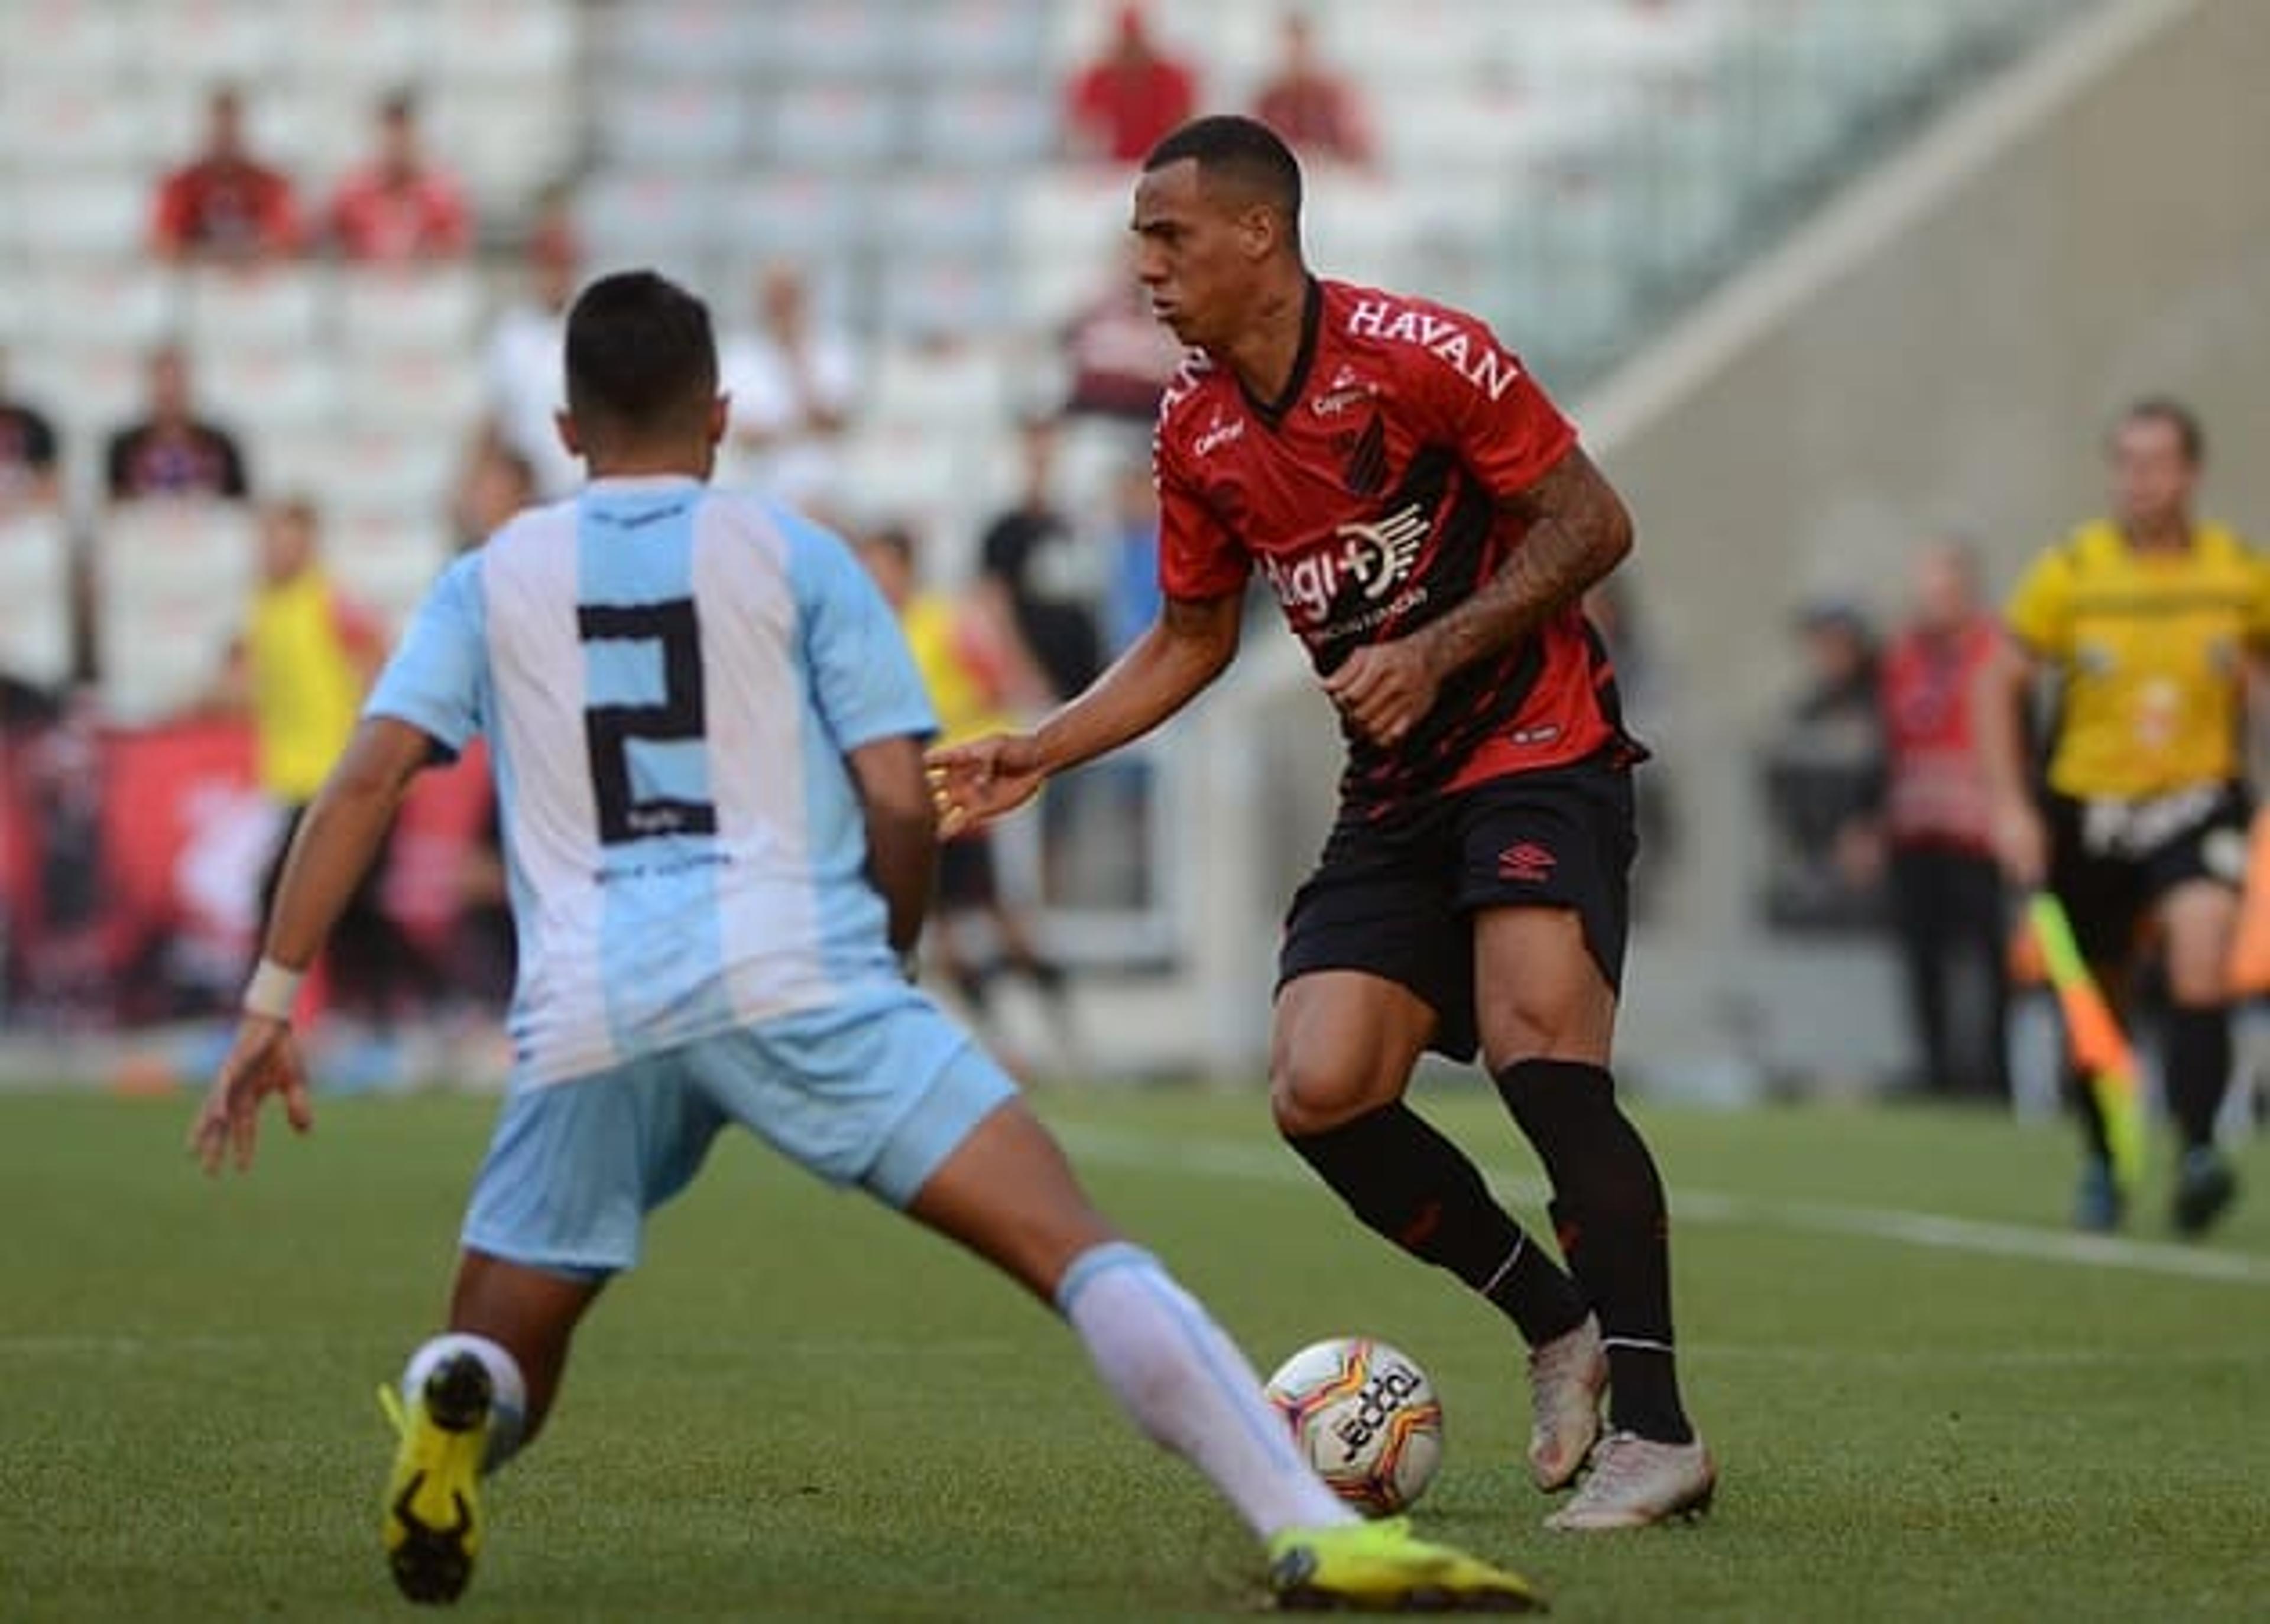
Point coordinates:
[[496, 483], [1317, 110], [29, 477], [1030, 569], [1824, 770], [171, 451], [398, 209], [1120, 104], [793, 379], [524, 364], [307, 656], [1132, 594], [1946, 886], [957, 648], [1120, 355], [223, 205]]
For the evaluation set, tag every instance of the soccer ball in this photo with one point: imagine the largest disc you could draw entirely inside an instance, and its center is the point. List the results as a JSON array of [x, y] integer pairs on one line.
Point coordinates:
[[1367, 1418]]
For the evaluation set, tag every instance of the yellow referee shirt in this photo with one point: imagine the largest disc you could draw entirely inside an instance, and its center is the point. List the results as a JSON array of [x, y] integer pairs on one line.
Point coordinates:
[[2150, 646], [306, 686]]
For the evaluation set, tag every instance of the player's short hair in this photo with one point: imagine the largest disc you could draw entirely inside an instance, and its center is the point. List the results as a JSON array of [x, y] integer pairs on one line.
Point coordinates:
[[2167, 409], [1243, 151], [641, 354], [896, 539]]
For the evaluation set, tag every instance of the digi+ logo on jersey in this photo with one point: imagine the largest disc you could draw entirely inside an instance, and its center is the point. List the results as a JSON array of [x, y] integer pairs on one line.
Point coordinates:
[[1375, 556]]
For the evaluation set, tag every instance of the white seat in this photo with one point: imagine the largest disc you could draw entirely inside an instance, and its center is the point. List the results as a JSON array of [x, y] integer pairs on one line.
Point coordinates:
[[524, 40], [75, 123], [122, 303], [271, 308], [95, 215], [83, 39], [90, 388], [839, 125], [941, 295], [985, 124], [430, 309], [974, 39], [254, 388], [409, 389], [506, 142], [647, 217], [802, 213], [936, 209], [819, 39], [686, 39], [383, 561], [35, 609], [658, 122], [170, 579], [362, 44], [205, 43], [406, 472]]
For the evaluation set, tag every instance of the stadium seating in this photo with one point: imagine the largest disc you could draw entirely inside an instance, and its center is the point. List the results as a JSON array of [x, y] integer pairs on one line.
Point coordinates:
[[36, 625]]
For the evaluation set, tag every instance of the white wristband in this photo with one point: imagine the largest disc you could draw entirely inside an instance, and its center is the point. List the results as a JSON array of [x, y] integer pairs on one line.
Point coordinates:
[[273, 991]]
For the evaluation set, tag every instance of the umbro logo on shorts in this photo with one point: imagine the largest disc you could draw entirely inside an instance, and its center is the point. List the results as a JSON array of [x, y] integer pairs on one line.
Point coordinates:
[[1527, 861]]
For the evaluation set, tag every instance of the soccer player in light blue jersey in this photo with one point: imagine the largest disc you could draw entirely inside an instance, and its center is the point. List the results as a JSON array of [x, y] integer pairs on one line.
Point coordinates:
[[706, 737]]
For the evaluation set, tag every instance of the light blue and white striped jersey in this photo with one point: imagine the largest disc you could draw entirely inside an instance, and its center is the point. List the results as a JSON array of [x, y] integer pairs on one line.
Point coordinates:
[[669, 678]]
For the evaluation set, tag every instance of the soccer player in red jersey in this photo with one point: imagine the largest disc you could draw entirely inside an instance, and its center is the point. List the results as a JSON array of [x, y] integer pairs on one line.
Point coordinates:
[[1428, 523]]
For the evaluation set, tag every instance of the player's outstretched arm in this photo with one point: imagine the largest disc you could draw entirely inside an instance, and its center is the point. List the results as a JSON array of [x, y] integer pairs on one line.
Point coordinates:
[[337, 842], [1578, 530], [1189, 644]]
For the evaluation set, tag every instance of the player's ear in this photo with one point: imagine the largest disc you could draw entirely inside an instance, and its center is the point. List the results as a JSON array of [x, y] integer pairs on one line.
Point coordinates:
[[568, 435], [720, 412], [1258, 231]]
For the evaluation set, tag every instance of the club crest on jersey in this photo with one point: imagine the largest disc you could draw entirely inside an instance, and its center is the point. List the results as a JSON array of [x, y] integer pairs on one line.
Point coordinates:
[[1376, 556]]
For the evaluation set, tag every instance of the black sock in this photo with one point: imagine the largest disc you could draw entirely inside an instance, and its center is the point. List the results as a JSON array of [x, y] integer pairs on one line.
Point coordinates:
[[1416, 1188], [2093, 1135], [2198, 1070], [1613, 1226]]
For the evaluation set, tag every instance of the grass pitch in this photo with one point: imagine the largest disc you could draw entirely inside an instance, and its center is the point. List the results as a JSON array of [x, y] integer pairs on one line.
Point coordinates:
[[1927, 1401]]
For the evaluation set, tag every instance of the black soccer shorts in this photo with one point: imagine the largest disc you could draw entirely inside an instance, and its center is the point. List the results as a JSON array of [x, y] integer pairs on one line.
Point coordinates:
[[1394, 896]]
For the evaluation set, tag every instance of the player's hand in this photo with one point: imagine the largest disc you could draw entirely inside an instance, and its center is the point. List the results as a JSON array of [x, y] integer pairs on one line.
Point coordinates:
[[1385, 689], [987, 778], [264, 1060], [2020, 842]]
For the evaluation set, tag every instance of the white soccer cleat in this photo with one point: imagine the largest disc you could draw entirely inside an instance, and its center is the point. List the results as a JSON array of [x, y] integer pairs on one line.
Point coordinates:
[[1635, 1481], [1567, 1376]]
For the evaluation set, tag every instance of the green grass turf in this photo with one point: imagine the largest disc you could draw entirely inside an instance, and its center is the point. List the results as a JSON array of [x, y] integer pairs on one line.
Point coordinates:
[[802, 1408]]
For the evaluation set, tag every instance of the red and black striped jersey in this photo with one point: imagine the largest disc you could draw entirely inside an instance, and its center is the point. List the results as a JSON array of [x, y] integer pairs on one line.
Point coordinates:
[[1370, 496]]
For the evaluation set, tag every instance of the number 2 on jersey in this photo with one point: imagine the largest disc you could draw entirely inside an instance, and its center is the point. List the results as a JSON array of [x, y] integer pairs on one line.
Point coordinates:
[[609, 730]]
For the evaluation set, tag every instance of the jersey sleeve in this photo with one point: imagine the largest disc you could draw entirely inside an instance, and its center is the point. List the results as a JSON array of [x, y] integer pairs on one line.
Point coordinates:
[[1198, 557], [863, 675], [434, 680], [1486, 403], [2039, 611]]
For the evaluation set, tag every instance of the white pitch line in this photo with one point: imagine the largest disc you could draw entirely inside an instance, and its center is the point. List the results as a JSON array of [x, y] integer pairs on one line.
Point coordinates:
[[1936, 1231]]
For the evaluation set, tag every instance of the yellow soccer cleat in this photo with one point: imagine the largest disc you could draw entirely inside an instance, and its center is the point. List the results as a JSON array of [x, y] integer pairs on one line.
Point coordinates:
[[433, 1500], [1380, 1567]]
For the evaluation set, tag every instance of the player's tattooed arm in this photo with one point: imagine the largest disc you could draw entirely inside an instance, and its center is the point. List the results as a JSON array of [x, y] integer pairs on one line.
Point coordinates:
[[1578, 530]]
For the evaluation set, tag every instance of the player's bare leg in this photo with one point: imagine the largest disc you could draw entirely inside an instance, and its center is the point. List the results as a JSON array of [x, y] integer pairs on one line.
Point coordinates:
[[1546, 1015], [1008, 1195], [1343, 1050]]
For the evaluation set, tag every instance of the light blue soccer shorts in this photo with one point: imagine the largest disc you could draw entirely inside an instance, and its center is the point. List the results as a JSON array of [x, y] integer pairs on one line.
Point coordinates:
[[876, 1091]]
